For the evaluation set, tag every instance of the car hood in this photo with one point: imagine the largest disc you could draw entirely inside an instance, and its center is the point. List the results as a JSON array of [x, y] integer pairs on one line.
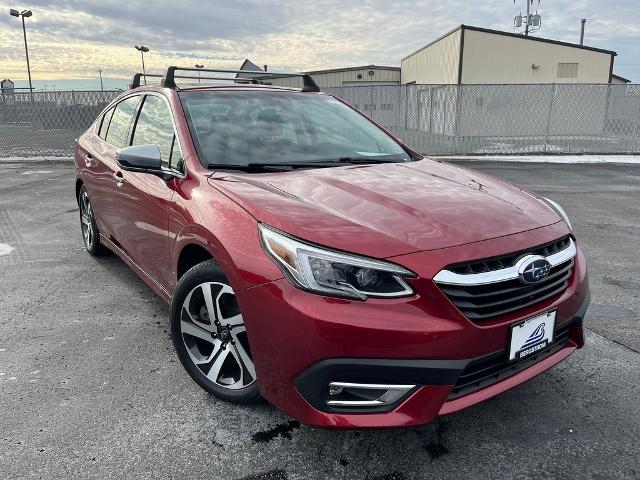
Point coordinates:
[[386, 210]]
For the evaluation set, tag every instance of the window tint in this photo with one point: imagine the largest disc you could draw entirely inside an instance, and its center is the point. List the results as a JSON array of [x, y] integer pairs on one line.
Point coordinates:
[[154, 126], [104, 125], [119, 125]]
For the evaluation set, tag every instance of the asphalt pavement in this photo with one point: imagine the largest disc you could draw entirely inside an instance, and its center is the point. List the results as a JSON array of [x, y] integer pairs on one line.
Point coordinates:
[[90, 386]]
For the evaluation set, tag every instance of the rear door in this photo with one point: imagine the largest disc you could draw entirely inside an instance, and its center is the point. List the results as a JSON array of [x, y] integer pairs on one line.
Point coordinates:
[[145, 225], [105, 185]]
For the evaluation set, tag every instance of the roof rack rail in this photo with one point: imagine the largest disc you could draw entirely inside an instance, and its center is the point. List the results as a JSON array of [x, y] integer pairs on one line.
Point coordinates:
[[135, 83], [252, 76]]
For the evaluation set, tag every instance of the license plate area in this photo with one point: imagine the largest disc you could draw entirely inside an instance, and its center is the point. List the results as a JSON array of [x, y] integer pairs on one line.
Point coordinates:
[[532, 335]]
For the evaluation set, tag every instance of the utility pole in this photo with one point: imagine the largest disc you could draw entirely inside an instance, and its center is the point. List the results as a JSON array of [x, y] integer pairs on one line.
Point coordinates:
[[526, 27], [583, 22], [100, 73]]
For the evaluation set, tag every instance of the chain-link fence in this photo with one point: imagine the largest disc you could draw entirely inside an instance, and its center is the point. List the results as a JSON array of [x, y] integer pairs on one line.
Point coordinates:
[[47, 123], [433, 119], [505, 119]]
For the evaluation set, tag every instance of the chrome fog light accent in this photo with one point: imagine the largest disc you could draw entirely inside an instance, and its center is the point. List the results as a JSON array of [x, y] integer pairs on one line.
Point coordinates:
[[387, 394]]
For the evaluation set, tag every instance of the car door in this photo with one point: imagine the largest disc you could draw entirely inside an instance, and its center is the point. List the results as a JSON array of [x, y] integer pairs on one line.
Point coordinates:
[[149, 196], [105, 188]]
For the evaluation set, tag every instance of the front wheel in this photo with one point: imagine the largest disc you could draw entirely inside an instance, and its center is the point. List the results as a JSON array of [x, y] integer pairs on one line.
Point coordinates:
[[210, 337]]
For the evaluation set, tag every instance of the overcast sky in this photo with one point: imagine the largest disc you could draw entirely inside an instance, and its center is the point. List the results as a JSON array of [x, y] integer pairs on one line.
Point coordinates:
[[72, 38]]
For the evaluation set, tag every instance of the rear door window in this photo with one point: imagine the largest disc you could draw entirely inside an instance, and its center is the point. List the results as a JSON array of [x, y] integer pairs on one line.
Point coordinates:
[[118, 131], [154, 126]]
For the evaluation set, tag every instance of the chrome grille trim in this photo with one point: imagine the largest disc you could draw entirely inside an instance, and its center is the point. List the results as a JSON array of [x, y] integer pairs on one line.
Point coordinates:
[[447, 277]]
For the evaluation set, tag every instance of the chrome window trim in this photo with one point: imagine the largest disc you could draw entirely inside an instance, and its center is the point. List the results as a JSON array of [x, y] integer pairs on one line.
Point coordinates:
[[448, 277]]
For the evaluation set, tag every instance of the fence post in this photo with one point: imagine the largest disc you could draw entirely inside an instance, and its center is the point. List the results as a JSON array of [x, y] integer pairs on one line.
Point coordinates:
[[546, 134], [458, 118], [606, 110], [371, 102]]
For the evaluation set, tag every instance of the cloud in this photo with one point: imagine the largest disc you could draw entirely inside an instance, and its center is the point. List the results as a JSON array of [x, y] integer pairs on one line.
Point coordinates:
[[72, 38]]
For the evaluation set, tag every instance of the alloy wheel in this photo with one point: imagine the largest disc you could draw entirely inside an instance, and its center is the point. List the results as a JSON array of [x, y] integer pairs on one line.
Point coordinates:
[[86, 220], [213, 332]]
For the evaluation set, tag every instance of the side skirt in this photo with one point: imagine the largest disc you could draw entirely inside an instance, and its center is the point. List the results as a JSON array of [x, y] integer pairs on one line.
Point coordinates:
[[148, 279]]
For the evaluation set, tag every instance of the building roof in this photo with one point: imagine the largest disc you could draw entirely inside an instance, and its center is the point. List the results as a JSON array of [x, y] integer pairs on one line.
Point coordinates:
[[350, 69], [515, 35], [248, 65], [619, 77]]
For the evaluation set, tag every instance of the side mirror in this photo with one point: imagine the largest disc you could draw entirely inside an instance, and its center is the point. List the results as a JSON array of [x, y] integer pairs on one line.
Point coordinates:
[[140, 158]]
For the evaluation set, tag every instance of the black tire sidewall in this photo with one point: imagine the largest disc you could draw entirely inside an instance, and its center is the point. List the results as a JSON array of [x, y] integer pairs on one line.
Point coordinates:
[[208, 271]]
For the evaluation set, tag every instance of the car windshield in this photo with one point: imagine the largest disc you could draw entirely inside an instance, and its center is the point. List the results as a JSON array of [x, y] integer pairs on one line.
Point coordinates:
[[249, 127]]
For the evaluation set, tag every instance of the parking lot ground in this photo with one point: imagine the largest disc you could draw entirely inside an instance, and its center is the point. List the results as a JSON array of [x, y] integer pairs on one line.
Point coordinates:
[[90, 386]]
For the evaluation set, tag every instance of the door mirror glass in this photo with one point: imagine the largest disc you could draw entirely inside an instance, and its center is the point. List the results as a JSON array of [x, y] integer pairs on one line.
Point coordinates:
[[140, 158]]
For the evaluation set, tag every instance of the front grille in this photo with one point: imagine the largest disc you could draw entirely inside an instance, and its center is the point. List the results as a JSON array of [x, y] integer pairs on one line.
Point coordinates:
[[509, 260], [485, 371], [485, 301]]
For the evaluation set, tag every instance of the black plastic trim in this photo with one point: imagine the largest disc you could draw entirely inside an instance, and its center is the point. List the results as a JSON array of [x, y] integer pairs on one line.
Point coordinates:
[[313, 383]]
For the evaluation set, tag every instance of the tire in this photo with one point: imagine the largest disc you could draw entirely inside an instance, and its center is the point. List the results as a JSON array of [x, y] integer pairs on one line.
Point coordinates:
[[214, 350], [90, 233]]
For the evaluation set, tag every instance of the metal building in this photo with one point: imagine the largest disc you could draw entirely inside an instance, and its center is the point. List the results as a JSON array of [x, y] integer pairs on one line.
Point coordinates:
[[347, 77], [473, 55]]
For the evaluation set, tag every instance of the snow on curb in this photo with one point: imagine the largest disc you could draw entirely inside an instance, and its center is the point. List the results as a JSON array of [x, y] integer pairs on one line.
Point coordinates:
[[627, 159]]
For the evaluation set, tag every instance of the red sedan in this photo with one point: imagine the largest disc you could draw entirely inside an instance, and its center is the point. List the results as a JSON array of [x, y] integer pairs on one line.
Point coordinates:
[[313, 259]]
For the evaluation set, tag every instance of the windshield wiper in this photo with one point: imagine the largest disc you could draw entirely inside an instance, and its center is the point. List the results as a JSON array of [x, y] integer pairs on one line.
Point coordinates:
[[364, 160], [284, 166], [261, 167]]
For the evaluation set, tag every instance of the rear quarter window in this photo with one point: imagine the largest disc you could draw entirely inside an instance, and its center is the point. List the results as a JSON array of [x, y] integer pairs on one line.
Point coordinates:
[[104, 124]]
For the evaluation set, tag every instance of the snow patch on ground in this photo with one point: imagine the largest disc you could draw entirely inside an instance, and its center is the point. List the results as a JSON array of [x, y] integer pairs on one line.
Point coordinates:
[[627, 159], [5, 249]]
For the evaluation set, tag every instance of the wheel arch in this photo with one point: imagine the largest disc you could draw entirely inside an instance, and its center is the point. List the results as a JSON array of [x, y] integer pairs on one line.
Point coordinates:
[[191, 255], [238, 253]]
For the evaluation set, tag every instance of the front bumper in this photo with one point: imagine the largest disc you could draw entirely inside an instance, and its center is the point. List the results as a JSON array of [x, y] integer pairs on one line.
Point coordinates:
[[301, 341]]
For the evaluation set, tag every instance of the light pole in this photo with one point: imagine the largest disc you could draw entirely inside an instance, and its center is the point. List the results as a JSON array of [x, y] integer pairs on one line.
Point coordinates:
[[199, 66], [142, 49], [101, 86], [24, 14]]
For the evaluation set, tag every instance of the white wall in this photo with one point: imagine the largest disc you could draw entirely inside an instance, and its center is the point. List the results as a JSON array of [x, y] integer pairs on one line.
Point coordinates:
[[492, 58], [436, 63]]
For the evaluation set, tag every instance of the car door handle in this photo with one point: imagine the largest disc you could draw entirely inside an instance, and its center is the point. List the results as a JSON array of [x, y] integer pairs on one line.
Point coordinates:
[[88, 160], [117, 177]]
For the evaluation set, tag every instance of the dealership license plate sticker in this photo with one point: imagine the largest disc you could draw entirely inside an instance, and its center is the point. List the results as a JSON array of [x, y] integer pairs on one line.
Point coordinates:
[[532, 335]]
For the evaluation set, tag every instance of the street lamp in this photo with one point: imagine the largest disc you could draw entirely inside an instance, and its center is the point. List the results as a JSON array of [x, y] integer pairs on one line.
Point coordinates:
[[142, 49], [199, 66], [24, 14]]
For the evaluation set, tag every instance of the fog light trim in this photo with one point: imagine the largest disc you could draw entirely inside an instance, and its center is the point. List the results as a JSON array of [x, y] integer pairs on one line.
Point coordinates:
[[392, 393]]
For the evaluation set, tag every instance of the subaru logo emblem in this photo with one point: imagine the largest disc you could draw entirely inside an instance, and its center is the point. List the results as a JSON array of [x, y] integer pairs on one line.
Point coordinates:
[[533, 268]]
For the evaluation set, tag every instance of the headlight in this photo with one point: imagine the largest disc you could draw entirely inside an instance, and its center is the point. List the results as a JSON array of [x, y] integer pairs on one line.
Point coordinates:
[[333, 273], [560, 211]]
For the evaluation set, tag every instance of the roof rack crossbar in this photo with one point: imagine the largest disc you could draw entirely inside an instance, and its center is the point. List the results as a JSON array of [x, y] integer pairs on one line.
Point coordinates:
[[227, 79], [168, 81], [135, 83]]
